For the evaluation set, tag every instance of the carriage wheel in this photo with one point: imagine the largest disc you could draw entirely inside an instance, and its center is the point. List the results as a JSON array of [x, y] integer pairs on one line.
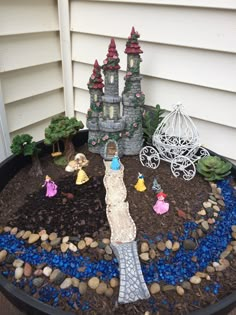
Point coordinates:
[[149, 157], [203, 152], [182, 164]]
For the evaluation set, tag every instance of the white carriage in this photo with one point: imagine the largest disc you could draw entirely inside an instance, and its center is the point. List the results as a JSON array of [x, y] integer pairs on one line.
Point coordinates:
[[176, 140]]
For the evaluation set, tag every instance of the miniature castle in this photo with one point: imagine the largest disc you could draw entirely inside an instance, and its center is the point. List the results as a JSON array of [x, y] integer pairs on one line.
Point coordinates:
[[109, 130]]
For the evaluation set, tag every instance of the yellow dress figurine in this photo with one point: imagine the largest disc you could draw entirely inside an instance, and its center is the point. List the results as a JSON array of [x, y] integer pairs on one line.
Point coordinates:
[[81, 177], [140, 186]]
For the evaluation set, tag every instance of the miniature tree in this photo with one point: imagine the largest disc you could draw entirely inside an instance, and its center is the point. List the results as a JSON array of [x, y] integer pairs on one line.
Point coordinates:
[[23, 144], [63, 128]]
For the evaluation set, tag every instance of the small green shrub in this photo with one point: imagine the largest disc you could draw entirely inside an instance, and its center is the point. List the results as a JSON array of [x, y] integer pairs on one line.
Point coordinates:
[[213, 168]]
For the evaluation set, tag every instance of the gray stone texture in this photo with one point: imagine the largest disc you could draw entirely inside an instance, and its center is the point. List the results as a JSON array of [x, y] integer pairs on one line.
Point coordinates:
[[132, 284], [120, 149], [94, 135], [112, 88]]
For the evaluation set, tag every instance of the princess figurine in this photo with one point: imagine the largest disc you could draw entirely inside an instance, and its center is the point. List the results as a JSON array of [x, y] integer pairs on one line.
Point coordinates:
[[51, 187], [140, 186], [161, 206], [77, 164], [115, 163]]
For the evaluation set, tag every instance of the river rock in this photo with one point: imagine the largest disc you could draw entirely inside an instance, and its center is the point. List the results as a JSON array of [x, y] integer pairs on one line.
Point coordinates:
[[94, 244], [155, 288], [81, 245], [106, 241], [18, 263], [20, 234], [161, 246], [101, 289], [66, 283], [38, 272], [93, 283], [189, 244], [224, 254], [83, 288], [33, 238], [202, 212], [88, 240], [44, 237], [221, 202], [52, 236], [27, 270], [179, 290], [144, 256], [152, 253], [55, 242], [216, 208], [175, 246], [46, 246], [10, 258], [42, 232], [205, 225], [233, 228], [109, 292], [64, 247], [7, 229], [114, 282], [206, 204], [65, 239], [3, 255], [186, 285], [211, 221], [213, 202], [195, 280], [14, 231], [169, 244], [37, 282], [168, 287], [75, 282], [19, 273], [108, 250], [144, 247], [210, 269], [72, 247], [26, 235], [47, 271], [107, 257], [54, 274]]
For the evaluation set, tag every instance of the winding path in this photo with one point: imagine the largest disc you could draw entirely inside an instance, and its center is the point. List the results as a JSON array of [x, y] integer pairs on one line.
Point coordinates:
[[123, 234]]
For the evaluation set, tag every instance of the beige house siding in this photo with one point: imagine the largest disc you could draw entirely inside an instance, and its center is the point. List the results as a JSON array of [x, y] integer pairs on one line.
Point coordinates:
[[189, 56], [30, 65]]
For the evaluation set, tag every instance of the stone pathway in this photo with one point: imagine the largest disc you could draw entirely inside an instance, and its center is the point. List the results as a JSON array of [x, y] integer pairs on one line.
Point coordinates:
[[123, 234]]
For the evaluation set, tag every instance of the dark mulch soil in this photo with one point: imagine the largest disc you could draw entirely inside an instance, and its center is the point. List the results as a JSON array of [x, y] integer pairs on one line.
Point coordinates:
[[23, 204]]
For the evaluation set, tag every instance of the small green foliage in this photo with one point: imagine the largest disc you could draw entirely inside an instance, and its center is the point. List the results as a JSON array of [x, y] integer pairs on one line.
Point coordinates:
[[60, 161], [213, 168], [62, 127], [151, 120], [23, 144]]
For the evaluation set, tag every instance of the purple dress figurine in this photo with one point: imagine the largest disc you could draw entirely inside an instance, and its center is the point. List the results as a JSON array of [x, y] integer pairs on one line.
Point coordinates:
[[161, 206], [51, 187]]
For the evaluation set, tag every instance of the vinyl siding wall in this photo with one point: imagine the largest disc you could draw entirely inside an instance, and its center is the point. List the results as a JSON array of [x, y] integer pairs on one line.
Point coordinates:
[[189, 56]]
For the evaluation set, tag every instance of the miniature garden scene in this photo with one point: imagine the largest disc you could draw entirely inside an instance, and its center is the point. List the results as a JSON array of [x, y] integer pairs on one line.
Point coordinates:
[[137, 219]]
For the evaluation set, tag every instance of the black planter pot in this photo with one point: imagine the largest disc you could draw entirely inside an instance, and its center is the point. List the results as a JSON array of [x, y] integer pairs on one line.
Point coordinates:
[[31, 306]]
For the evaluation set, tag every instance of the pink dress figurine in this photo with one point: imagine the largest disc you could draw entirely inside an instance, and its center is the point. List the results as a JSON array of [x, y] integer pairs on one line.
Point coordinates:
[[161, 206], [51, 187]]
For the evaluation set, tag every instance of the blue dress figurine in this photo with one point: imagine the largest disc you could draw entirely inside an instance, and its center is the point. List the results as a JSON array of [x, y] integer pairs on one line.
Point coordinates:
[[115, 163]]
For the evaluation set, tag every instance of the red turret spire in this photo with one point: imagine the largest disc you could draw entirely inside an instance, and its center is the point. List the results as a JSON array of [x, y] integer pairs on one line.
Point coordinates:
[[95, 81], [132, 45], [112, 60]]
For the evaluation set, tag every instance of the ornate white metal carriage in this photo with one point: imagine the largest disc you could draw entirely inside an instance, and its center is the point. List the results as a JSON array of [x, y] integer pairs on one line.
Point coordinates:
[[176, 140]]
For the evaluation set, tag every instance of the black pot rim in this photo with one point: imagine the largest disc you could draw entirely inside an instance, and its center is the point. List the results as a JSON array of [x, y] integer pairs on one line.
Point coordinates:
[[32, 306]]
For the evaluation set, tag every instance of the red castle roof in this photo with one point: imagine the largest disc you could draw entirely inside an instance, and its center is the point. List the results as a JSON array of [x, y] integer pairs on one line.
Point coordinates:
[[95, 81], [132, 45], [112, 60]]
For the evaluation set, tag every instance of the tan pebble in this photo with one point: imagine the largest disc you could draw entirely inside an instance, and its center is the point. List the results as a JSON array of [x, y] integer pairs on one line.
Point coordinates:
[[219, 190], [233, 228], [81, 245], [82, 288], [229, 247], [47, 271], [201, 274], [210, 269], [27, 270], [52, 236], [208, 277], [33, 238], [7, 229], [66, 283], [106, 241], [65, 239], [144, 256], [215, 264], [109, 292], [199, 221], [211, 220], [155, 288], [94, 244], [175, 246], [169, 244], [18, 273], [224, 263], [38, 272], [202, 212], [212, 202], [234, 235], [179, 290], [144, 247], [42, 232], [101, 289], [206, 204], [72, 247], [93, 283], [216, 208], [3, 255], [44, 237], [233, 243], [114, 282], [88, 240], [224, 254], [64, 247], [20, 234], [161, 246], [14, 231], [195, 280], [168, 287], [46, 246], [18, 263], [75, 282], [147, 313], [26, 235], [152, 253], [215, 214]]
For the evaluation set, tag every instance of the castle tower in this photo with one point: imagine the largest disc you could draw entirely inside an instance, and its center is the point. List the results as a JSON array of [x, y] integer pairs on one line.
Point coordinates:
[[133, 97], [111, 124], [95, 86]]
